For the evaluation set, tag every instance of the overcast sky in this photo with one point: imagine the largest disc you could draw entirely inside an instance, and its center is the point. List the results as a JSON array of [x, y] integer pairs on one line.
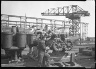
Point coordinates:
[[34, 9]]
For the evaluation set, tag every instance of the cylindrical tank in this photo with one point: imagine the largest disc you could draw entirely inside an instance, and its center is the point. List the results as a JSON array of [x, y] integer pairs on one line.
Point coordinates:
[[29, 39], [6, 40], [14, 29], [21, 40]]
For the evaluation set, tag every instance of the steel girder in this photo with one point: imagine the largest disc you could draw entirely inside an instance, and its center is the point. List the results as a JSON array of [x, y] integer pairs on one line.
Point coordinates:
[[74, 28], [66, 11], [73, 12], [74, 25]]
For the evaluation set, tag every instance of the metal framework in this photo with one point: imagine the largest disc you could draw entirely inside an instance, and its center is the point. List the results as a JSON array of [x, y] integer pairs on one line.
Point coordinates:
[[73, 12], [84, 30], [22, 21]]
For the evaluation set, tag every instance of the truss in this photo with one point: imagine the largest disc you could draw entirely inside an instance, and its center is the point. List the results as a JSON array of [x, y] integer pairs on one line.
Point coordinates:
[[73, 12], [23, 22]]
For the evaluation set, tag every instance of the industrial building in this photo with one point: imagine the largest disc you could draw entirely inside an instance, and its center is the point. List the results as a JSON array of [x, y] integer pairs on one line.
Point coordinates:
[[73, 29]]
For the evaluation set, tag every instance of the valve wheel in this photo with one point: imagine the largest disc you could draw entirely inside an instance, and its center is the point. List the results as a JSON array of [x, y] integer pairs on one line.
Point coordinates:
[[68, 46], [57, 46]]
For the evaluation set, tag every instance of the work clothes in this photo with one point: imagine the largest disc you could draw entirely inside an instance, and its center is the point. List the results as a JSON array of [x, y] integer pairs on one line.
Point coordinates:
[[43, 58], [53, 36], [41, 52], [41, 45]]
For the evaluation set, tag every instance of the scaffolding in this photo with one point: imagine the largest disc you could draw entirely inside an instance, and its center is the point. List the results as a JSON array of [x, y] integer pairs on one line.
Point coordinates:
[[22, 22], [73, 13]]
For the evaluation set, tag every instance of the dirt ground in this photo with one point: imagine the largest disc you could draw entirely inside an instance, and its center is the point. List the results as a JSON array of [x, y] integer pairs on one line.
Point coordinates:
[[28, 62]]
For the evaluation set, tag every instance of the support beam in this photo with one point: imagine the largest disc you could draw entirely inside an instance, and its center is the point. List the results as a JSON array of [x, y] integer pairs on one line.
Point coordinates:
[[52, 23]]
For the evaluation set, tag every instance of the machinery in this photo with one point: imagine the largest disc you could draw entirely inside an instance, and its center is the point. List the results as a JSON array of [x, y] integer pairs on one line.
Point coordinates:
[[13, 43], [88, 51], [57, 44], [73, 13]]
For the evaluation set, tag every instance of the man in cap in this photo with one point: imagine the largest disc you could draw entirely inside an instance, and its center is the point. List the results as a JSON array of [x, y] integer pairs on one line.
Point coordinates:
[[41, 50]]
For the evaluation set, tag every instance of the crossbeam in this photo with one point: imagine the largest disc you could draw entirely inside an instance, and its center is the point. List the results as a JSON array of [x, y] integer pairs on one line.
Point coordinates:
[[30, 17], [65, 11], [38, 21]]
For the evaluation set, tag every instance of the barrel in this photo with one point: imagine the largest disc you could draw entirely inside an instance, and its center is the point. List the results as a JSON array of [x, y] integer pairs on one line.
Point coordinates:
[[6, 40], [21, 40], [30, 39], [14, 29]]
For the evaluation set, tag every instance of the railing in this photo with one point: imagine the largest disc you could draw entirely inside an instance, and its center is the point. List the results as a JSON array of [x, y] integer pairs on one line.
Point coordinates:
[[22, 22]]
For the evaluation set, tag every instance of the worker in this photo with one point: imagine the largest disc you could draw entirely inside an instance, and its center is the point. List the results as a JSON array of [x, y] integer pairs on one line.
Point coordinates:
[[42, 55], [53, 36]]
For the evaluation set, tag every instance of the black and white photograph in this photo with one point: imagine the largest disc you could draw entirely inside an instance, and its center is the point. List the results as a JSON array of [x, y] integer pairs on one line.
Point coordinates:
[[48, 34]]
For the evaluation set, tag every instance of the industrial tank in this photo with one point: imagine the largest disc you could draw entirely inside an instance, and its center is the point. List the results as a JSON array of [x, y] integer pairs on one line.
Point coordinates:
[[6, 40], [21, 40], [29, 39]]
